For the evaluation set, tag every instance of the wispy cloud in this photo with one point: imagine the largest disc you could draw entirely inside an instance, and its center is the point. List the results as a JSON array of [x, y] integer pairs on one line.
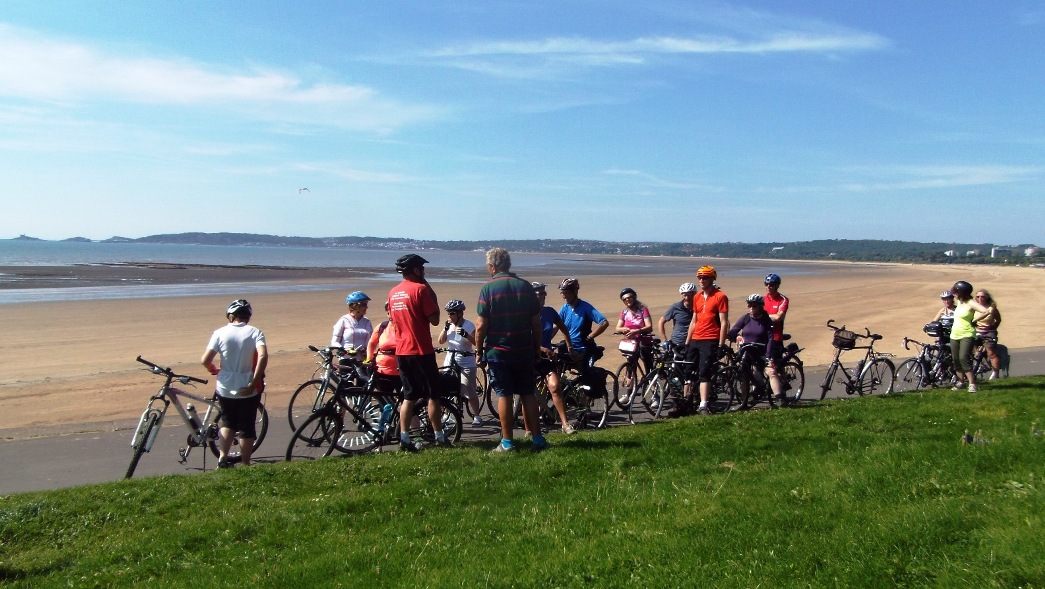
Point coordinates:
[[37, 68], [922, 177], [654, 181], [526, 58]]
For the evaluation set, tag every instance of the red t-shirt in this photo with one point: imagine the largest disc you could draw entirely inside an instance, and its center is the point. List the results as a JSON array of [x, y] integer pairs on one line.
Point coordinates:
[[776, 304], [706, 324], [409, 306]]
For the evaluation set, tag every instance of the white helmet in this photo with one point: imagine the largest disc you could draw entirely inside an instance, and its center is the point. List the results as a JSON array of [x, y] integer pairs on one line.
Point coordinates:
[[687, 287]]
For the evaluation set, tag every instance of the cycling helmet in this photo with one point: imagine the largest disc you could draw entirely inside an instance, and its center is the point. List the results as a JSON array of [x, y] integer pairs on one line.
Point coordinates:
[[962, 288], [687, 287], [239, 308], [539, 287], [946, 295], [706, 272], [569, 284], [756, 299], [356, 297], [772, 279], [628, 291], [409, 261], [454, 305]]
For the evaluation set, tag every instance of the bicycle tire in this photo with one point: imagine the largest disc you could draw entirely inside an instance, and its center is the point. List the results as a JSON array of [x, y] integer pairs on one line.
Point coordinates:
[[729, 383], [794, 377], [628, 372], [140, 440], [316, 437], [721, 389], [306, 400], [261, 427], [359, 435], [877, 378], [910, 376], [653, 388], [452, 419]]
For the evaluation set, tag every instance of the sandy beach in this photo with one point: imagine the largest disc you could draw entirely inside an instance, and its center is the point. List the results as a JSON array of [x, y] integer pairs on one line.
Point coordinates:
[[72, 362]]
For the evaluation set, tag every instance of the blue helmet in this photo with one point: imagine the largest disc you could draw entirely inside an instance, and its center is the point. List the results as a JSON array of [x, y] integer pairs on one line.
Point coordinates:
[[356, 297], [772, 279]]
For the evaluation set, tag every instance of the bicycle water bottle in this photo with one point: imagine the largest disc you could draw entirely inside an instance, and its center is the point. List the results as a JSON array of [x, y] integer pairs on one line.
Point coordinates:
[[194, 418], [859, 368], [386, 416]]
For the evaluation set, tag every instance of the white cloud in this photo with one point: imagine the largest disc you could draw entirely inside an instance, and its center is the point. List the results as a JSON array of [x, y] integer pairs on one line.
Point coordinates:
[[922, 177], [36, 68]]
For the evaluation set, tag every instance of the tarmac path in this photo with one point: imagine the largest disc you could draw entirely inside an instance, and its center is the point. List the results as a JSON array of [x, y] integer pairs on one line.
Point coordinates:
[[59, 457]]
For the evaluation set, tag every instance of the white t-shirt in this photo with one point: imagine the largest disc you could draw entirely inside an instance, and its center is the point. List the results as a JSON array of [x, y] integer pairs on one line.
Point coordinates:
[[461, 344], [236, 344]]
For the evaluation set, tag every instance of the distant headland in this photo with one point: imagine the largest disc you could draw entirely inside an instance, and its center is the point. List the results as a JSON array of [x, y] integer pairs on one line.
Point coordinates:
[[854, 250]]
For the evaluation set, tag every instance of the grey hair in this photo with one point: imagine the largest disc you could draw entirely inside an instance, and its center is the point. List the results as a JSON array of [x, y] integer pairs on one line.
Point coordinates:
[[499, 258]]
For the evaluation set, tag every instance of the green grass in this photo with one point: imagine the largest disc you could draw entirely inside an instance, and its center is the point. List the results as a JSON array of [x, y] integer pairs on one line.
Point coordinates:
[[857, 493]]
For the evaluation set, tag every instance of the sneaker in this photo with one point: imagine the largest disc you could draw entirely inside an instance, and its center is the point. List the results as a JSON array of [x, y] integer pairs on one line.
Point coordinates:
[[654, 403], [223, 462], [443, 442], [541, 447], [994, 375], [568, 429], [623, 400], [411, 446], [703, 410], [972, 388], [477, 421], [958, 387], [502, 449]]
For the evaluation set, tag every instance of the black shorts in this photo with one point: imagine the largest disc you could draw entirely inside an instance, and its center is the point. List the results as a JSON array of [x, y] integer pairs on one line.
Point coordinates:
[[704, 355], [512, 378], [420, 376], [240, 415]]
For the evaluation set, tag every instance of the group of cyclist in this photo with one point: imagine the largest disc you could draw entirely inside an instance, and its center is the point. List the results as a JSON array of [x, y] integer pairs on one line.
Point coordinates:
[[401, 351], [966, 319]]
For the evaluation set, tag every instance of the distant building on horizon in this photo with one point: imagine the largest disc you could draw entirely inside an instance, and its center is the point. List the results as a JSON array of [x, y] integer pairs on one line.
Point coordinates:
[[997, 252], [1032, 251]]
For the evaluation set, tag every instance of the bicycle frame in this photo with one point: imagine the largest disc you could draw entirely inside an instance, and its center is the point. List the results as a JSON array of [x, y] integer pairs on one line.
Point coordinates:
[[854, 379]]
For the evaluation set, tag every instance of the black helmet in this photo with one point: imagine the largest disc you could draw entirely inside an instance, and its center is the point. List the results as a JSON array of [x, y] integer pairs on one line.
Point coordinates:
[[409, 261], [628, 291], [454, 305], [569, 284], [239, 308], [962, 288]]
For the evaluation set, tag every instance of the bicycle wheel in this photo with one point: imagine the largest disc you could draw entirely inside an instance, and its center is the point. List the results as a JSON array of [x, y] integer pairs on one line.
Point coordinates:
[[724, 392], [316, 436], [261, 427], [306, 400], [629, 376], [877, 378], [652, 390], [143, 438], [910, 376], [793, 377], [451, 422]]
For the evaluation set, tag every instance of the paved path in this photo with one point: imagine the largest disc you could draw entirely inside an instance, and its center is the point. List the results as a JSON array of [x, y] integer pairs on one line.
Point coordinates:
[[58, 458]]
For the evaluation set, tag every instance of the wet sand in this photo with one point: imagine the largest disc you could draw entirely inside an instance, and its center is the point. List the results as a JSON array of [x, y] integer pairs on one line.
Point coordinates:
[[72, 362]]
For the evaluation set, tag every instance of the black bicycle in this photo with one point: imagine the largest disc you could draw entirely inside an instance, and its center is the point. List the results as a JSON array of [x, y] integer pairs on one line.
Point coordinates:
[[932, 367], [337, 367], [873, 374]]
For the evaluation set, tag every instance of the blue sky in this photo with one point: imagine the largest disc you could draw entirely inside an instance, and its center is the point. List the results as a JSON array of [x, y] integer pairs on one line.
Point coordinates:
[[667, 121]]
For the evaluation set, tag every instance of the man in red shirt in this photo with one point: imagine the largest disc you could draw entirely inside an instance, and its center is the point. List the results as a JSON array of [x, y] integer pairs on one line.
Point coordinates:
[[414, 310], [776, 307], [707, 335]]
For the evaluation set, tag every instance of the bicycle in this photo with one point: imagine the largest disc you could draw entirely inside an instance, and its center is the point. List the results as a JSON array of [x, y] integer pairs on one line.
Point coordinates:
[[586, 392], [203, 430], [664, 387], [932, 367], [450, 377], [749, 380], [339, 367], [873, 372], [372, 421], [638, 357]]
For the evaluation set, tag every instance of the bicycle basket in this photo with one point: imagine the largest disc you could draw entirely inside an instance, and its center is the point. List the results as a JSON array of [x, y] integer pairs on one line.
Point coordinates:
[[936, 329], [628, 346], [844, 340]]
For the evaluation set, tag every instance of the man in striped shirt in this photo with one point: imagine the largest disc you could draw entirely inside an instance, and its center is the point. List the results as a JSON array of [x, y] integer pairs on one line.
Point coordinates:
[[508, 337]]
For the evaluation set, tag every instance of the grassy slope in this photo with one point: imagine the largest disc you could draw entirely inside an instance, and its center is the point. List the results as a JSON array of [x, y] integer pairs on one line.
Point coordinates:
[[876, 492]]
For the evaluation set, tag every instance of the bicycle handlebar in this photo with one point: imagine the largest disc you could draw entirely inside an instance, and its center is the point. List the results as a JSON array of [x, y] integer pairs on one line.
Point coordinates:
[[184, 378], [458, 352], [868, 335]]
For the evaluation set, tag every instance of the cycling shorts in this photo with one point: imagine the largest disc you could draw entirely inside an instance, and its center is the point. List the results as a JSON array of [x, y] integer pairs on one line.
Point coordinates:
[[240, 415], [420, 376], [704, 357]]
